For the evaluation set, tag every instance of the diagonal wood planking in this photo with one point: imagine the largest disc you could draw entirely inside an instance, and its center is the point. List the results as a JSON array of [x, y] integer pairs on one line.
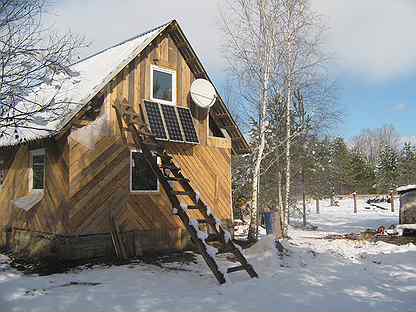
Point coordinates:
[[84, 186]]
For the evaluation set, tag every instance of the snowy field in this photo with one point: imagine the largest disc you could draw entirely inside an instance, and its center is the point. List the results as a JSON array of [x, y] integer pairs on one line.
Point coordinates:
[[316, 275]]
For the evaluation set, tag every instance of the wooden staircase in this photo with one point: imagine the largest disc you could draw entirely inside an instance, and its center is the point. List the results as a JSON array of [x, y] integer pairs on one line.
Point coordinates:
[[168, 175]]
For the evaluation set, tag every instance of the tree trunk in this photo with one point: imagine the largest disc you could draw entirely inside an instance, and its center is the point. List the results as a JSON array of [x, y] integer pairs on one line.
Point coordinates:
[[392, 201], [354, 196], [288, 155], [254, 197], [266, 61], [303, 200], [278, 215], [317, 205], [290, 64]]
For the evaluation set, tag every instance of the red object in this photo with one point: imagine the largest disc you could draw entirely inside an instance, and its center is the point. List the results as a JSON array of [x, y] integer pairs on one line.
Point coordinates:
[[381, 230]]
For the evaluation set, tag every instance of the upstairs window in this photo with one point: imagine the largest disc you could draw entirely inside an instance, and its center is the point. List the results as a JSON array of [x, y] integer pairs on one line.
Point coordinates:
[[142, 178], [163, 85], [38, 169]]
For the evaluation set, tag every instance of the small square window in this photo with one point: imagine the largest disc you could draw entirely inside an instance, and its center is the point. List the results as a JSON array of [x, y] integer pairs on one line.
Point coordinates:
[[38, 169], [163, 85], [142, 178]]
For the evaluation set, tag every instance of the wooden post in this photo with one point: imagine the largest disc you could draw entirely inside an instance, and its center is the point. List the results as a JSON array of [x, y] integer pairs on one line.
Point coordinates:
[[392, 201], [354, 196], [317, 205]]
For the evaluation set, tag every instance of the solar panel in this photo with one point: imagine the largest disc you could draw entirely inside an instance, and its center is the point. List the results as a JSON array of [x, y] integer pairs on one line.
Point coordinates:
[[155, 120], [187, 125], [172, 123]]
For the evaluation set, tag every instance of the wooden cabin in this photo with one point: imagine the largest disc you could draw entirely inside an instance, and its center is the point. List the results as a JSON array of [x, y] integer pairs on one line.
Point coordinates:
[[62, 181], [407, 213]]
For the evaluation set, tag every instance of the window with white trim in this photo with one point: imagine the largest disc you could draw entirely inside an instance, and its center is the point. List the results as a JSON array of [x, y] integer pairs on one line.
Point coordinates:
[[142, 178], [163, 85], [38, 169]]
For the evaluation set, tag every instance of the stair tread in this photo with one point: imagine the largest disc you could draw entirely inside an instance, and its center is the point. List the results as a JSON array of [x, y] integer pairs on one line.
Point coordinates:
[[170, 167], [169, 178], [192, 207], [164, 156], [183, 193], [212, 238], [236, 268]]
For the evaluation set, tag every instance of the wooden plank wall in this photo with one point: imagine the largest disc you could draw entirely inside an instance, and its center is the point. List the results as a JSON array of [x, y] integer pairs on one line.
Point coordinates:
[[85, 186], [49, 214], [207, 167]]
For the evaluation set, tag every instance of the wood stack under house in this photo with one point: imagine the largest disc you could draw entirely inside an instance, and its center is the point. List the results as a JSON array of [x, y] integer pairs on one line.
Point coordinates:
[[69, 183]]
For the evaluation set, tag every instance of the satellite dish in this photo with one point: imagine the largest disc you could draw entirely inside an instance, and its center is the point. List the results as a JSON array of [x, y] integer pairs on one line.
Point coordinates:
[[203, 93]]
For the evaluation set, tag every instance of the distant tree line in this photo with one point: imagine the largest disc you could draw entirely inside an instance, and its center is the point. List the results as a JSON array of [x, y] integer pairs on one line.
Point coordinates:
[[323, 167]]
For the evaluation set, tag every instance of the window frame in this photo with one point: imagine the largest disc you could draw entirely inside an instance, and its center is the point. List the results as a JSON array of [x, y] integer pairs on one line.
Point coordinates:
[[168, 71], [37, 152], [131, 175]]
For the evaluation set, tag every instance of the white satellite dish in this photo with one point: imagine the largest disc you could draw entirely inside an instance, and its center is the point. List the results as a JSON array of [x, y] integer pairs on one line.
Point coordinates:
[[203, 93]]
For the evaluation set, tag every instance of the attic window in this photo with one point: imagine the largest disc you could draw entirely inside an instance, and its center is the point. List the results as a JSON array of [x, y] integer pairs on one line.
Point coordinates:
[[38, 169], [142, 178], [163, 85]]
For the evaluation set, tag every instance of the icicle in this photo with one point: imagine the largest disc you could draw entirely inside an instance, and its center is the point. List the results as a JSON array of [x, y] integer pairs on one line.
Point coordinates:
[[201, 235], [217, 221], [172, 184], [227, 236], [184, 207], [209, 211], [212, 251], [197, 196]]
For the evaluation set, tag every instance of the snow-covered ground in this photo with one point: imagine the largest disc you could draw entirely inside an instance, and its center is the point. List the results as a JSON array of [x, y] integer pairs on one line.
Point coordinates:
[[316, 275]]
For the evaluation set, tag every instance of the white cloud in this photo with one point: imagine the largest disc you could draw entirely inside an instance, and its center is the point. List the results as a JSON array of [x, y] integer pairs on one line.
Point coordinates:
[[400, 107], [105, 22], [374, 38]]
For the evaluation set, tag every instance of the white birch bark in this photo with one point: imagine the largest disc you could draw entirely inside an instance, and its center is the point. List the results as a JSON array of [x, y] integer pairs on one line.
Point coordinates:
[[264, 86]]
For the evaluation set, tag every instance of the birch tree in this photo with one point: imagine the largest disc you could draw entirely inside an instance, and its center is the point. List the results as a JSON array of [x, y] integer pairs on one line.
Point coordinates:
[[303, 71], [274, 49], [250, 29]]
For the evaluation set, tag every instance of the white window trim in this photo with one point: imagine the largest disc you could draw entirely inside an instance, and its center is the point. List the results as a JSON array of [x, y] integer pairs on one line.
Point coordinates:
[[131, 177], [36, 152], [165, 70]]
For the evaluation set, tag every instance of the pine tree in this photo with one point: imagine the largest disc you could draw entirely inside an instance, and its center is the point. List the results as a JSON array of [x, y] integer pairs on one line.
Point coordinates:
[[319, 170], [407, 165], [387, 169], [361, 172], [340, 160]]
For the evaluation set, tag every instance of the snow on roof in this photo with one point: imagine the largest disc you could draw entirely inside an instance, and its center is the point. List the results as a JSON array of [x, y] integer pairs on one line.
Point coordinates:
[[70, 94], [406, 188]]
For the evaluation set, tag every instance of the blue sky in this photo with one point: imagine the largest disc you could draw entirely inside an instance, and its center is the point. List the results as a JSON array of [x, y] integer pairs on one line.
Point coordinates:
[[372, 41], [369, 104]]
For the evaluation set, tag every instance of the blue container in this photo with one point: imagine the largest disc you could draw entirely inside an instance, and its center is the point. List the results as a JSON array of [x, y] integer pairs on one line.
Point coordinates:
[[268, 221]]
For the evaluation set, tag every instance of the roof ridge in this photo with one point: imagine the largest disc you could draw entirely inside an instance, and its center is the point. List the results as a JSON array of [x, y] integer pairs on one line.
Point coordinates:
[[122, 42]]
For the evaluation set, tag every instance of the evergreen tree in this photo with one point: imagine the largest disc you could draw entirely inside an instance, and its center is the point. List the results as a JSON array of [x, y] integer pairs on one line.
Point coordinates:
[[407, 165], [361, 172], [318, 170], [340, 162], [387, 172]]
